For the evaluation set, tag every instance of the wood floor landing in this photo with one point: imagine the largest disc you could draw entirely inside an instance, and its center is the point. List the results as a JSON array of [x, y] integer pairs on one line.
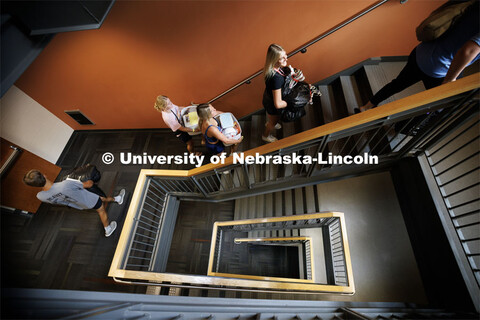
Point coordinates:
[[63, 248]]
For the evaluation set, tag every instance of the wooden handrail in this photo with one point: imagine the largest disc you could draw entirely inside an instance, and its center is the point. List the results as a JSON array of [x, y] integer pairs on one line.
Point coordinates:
[[277, 239], [408, 103], [439, 93], [220, 279]]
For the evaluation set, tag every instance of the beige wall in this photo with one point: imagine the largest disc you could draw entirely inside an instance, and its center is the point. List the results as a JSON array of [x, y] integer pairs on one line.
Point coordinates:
[[32, 127]]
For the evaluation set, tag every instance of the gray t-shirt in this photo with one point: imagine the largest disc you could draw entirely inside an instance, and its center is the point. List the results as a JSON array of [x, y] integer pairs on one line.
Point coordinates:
[[69, 193]]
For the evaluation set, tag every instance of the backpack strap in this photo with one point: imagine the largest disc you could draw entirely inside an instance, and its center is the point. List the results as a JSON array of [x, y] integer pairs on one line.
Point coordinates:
[[177, 118]]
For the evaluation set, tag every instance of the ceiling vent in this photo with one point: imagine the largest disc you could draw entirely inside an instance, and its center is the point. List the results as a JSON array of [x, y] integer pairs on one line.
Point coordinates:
[[78, 116]]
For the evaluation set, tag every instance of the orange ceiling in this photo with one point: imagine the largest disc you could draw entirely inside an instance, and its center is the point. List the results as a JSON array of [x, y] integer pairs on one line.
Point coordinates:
[[194, 50]]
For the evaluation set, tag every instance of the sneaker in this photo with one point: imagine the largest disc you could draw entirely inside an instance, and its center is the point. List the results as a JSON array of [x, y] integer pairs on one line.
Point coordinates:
[[278, 126], [269, 139], [110, 228], [121, 195]]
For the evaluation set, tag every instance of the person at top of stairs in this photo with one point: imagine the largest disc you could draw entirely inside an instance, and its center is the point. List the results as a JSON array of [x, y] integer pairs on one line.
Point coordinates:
[[439, 61], [214, 138], [274, 77]]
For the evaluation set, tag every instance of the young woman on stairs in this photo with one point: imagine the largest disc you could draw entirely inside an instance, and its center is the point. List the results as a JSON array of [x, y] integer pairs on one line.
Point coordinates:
[[274, 77], [214, 138]]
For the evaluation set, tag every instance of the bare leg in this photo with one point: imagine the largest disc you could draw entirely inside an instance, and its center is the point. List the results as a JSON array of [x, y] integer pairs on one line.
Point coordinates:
[[272, 121], [190, 147], [103, 216], [107, 199], [233, 148]]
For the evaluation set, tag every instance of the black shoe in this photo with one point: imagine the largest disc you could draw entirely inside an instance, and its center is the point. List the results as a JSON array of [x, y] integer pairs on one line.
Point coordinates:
[[357, 110]]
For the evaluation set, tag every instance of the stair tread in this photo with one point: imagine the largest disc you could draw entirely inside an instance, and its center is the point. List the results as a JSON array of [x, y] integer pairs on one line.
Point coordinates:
[[352, 95], [328, 103], [309, 120], [381, 74], [256, 131]]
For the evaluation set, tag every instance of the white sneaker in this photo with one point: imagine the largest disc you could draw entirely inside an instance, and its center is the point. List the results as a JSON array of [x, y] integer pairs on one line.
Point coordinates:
[[121, 195], [110, 228], [278, 126], [269, 139]]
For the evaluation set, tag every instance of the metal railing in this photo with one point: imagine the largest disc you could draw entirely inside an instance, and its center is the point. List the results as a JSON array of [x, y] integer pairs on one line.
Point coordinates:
[[451, 168], [389, 132], [378, 142], [337, 253], [332, 223], [148, 224], [304, 245], [303, 48]]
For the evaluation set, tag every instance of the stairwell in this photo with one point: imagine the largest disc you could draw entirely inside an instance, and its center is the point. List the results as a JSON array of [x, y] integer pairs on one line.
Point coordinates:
[[341, 94]]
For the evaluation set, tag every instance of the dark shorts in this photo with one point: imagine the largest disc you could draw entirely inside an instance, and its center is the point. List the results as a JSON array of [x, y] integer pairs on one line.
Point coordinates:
[[185, 137], [216, 148], [268, 104], [271, 110], [96, 189], [98, 204]]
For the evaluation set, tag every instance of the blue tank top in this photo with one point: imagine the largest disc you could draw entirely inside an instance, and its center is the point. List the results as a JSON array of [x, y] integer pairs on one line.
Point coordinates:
[[213, 144]]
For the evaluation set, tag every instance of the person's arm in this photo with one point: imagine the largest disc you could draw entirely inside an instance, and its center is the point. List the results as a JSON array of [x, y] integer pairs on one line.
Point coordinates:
[[173, 123], [185, 129], [88, 184], [277, 99], [220, 136], [462, 58]]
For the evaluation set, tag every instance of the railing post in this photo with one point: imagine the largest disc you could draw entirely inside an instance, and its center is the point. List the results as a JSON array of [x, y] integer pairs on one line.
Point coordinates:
[[321, 146], [197, 184], [245, 176]]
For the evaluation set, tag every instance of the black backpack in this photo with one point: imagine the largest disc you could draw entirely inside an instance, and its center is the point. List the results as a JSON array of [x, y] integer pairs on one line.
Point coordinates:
[[84, 173]]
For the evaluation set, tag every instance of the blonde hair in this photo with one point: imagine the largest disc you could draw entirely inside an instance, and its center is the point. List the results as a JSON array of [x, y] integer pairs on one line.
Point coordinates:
[[160, 103], [273, 55], [204, 113]]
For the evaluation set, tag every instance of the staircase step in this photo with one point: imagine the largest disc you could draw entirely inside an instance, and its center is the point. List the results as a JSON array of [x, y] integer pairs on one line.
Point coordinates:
[[260, 211], [340, 110], [299, 208], [377, 79], [392, 70], [238, 209], [310, 199], [308, 121], [269, 205], [244, 208], [288, 208], [288, 129], [278, 204], [256, 131], [328, 103], [381, 74], [351, 92], [246, 129]]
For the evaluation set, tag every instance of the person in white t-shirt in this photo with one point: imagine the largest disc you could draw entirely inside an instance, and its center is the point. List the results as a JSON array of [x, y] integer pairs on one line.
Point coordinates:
[[171, 115]]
